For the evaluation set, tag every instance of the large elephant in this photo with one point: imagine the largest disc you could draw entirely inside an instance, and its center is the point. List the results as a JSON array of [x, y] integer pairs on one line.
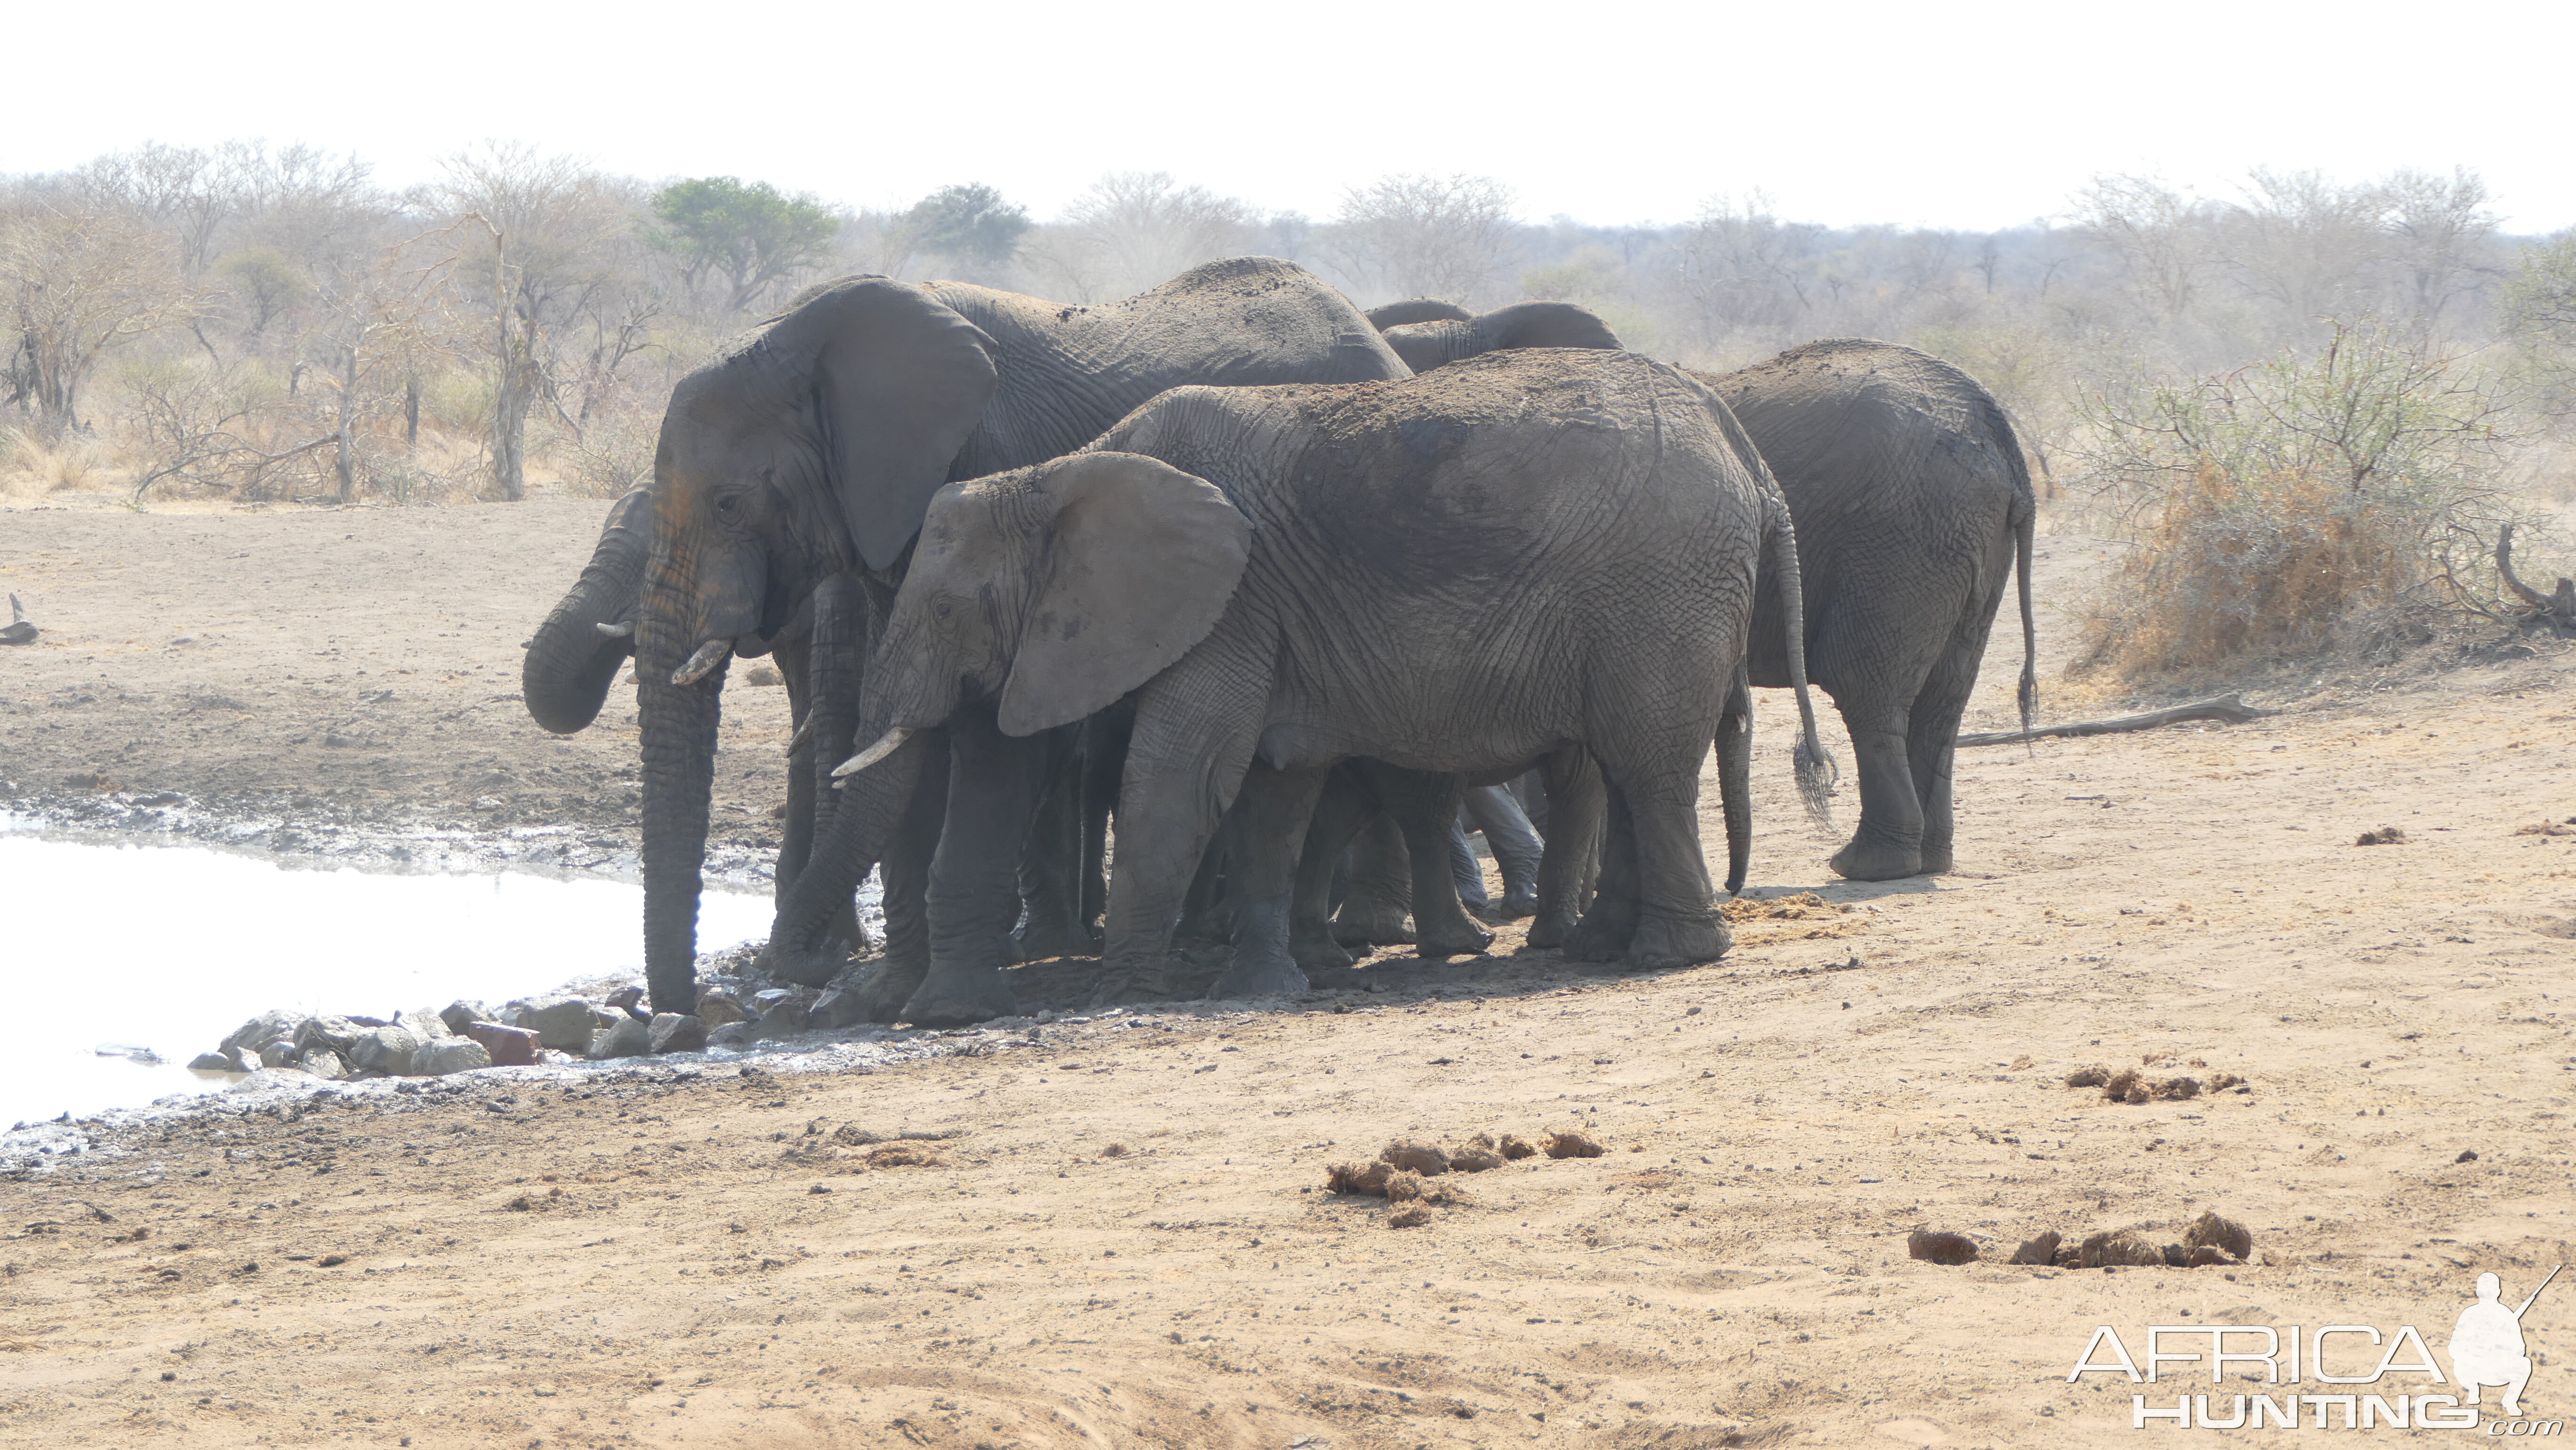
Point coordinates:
[[1522, 557], [1913, 505], [809, 450]]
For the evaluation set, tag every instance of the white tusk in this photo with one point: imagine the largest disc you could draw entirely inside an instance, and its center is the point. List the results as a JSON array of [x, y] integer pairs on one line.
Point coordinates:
[[701, 664], [804, 732], [892, 742], [616, 631]]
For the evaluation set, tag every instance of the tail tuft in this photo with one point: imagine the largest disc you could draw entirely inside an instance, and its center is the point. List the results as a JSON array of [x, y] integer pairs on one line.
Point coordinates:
[[1817, 775]]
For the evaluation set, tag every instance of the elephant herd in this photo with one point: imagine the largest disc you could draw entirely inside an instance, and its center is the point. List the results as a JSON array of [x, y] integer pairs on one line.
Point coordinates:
[[1268, 583]]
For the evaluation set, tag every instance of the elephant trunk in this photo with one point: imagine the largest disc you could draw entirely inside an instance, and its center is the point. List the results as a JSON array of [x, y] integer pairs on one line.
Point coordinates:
[[574, 657], [679, 724], [872, 804]]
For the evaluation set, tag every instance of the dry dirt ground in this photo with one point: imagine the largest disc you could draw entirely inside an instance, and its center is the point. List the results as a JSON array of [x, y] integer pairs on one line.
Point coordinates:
[[1121, 1235]]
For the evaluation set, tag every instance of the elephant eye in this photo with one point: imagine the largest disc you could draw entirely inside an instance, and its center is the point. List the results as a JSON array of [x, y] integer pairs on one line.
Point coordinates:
[[728, 507]]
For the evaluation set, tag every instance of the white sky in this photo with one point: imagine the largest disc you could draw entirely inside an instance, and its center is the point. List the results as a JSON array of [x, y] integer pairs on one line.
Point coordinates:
[[1962, 115]]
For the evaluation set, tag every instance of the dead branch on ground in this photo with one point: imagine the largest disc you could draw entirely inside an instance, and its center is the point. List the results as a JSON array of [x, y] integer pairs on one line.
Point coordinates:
[[2227, 708]]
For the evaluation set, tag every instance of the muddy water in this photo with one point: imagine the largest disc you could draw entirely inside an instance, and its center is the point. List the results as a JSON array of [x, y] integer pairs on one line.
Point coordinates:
[[167, 948]]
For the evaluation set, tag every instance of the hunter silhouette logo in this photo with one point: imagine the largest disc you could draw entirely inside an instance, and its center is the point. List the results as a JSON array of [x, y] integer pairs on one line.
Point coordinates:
[[2487, 1350], [2487, 1347]]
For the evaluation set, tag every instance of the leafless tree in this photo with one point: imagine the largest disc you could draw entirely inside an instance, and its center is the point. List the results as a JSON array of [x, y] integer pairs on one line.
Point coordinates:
[[1424, 236], [80, 277], [1133, 230]]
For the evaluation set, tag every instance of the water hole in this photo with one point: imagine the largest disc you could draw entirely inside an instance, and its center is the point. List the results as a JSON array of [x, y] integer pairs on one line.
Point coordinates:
[[168, 947]]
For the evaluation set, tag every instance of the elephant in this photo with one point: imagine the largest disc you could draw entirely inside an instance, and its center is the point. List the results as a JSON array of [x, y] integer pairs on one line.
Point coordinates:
[[1913, 504], [1427, 344], [808, 451], [1416, 309], [1527, 556]]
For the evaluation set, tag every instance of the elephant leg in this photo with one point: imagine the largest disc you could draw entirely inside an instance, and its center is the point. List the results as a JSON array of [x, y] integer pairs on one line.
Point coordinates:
[[1425, 807], [1888, 843], [1183, 769], [1207, 912], [1932, 735], [1050, 862], [1381, 885], [1576, 809], [994, 784], [1516, 845], [905, 876], [1342, 809], [1263, 833], [1531, 791], [1676, 925], [1463, 870], [1610, 922]]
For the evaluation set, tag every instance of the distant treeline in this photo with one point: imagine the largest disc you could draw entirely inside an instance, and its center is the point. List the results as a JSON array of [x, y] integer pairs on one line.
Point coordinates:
[[259, 322]]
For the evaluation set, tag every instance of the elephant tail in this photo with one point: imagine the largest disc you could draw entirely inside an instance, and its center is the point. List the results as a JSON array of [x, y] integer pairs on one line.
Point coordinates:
[[2025, 520], [1816, 772], [1735, 777]]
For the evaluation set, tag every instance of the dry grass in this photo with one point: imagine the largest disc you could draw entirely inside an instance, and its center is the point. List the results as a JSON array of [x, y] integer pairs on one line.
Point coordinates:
[[2234, 569], [31, 467]]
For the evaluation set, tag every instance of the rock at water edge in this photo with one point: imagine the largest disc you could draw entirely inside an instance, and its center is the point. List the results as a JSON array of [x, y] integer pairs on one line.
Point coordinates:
[[716, 1007], [509, 1046], [322, 1062], [386, 1050], [562, 1023], [211, 1062], [461, 1014], [627, 1038], [450, 1054], [672, 1032]]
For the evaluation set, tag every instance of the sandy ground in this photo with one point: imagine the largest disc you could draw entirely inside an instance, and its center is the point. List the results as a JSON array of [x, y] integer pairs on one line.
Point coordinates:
[[1123, 1238]]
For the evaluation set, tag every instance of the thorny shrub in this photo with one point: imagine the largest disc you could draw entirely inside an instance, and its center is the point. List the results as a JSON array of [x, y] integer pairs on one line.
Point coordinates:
[[2277, 503]]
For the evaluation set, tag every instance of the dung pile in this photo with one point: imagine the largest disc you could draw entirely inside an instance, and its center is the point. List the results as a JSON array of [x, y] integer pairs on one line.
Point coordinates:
[[1803, 916], [1403, 1172], [2209, 1241]]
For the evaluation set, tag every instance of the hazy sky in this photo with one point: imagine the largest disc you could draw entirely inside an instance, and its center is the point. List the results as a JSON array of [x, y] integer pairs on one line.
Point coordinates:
[[1960, 115]]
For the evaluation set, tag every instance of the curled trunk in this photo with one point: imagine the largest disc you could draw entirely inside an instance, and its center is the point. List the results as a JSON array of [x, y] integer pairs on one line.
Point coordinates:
[[574, 657]]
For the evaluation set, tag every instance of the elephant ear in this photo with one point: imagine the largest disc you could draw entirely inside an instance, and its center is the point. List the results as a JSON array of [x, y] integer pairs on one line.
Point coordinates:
[[1546, 324], [901, 379], [1140, 561]]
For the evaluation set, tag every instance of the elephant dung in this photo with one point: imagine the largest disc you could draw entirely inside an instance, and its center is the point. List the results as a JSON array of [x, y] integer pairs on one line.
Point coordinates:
[[450, 1054], [716, 1007], [627, 1037], [1419, 1158], [384, 1050], [838, 1008], [323, 1063], [509, 1046], [562, 1023], [461, 1014], [2040, 1250], [672, 1032], [1940, 1248], [2226, 1234], [2123, 1248]]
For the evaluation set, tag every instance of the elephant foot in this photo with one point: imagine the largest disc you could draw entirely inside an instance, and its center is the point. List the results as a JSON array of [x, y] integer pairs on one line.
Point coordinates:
[[1936, 859], [1600, 938], [1518, 904], [1038, 943], [1371, 926], [1663, 943], [1129, 982], [806, 966], [882, 995], [1319, 955], [1550, 931], [959, 997], [1262, 975], [1876, 861], [1464, 939]]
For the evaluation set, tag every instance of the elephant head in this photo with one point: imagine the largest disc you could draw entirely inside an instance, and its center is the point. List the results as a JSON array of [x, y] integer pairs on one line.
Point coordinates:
[[812, 446], [1425, 345], [1046, 593], [576, 653]]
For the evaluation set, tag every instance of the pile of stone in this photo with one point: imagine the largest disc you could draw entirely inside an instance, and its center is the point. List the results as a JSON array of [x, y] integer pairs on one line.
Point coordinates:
[[523, 1033]]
